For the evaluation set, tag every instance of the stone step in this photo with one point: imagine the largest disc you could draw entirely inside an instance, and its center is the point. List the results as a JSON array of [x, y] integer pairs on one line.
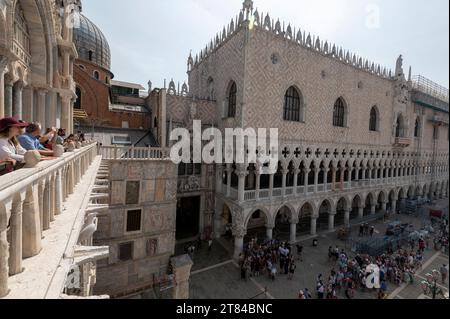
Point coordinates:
[[100, 188]]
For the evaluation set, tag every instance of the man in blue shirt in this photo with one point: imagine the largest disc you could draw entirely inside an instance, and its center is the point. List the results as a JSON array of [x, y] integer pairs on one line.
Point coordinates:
[[30, 140]]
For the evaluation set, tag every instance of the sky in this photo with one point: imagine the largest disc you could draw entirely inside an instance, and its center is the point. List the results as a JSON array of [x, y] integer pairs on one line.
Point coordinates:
[[151, 39]]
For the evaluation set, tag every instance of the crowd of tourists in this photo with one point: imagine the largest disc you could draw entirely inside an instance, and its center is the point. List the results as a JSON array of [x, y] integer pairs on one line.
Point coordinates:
[[18, 137], [271, 258]]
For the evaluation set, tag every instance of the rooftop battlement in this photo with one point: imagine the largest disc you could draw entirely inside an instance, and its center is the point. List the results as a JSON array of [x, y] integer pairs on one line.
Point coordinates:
[[252, 19]]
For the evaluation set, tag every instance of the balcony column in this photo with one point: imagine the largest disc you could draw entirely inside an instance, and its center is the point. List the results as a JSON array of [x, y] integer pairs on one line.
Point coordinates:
[[58, 193], [3, 63], [313, 225], [31, 235], [342, 179], [52, 204], [347, 218], [71, 179], [8, 96], [41, 187], [333, 178], [242, 174], [349, 176], [41, 108], [316, 179], [258, 183], [46, 207], [229, 171], [325, 179], [238, 233], [331, 220], [306, 171], [271, 182], [4, 252], [283, 185], [296, 172], [17, 101], [15, 236], [293, 232]]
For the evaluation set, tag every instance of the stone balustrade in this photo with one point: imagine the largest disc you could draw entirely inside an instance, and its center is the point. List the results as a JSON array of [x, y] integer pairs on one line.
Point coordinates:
[[133, 153], [31, 200]]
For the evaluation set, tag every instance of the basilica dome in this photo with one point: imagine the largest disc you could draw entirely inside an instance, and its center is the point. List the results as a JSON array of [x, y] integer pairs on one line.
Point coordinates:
[[91, 43]]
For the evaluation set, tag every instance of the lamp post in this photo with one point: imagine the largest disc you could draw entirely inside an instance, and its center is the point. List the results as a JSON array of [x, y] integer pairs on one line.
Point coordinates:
[[430, 286]]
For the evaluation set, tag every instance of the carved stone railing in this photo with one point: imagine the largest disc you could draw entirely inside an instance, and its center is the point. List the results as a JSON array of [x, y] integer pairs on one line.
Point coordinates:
[[31, 200], [133, 153]]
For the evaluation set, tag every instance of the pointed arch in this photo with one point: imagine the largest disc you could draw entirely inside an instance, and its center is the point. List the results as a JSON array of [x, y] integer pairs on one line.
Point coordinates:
[[340, 113], [293, 105], [374, 125], [231, 100]]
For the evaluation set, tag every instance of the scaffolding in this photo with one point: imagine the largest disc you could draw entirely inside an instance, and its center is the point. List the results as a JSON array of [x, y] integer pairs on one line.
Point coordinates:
[[424, 85]]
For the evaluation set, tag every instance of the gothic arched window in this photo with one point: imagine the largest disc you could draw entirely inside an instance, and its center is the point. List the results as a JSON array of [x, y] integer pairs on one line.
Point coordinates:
[[96, 75], [417, 128], [339, 113], [292, 105], [232, 100], [400, 130], [374, 119]]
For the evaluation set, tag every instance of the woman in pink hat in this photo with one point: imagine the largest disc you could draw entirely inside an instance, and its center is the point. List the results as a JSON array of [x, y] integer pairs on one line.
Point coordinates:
[[10, 149]]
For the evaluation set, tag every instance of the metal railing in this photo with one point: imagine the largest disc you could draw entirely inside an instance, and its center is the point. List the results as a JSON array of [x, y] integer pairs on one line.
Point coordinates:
[[429, 87]]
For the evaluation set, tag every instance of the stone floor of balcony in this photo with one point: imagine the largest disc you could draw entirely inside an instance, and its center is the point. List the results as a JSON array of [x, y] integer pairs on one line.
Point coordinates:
[[44, 275]]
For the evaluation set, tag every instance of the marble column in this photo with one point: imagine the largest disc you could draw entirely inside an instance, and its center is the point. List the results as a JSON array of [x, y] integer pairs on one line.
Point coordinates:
[[347, 218], [316, 180], [283, 185], [361, 212], [8, 98], [271, 179], [17, 100], [238, 244], [65, 113], [4, 256], [58, 193], [31, 235], [27, 104], [46, 206], [219, 179], [293, 233], [306, 171], [333, 179], [51, 109], [52, 205], [3, 63], [313, 226], [296, 172], [383, 206], [269, 231], [394, 206], [331, 221], [373, 209], [258, 185], [41, 107], [15, 242], [41, 205], [241, 185]]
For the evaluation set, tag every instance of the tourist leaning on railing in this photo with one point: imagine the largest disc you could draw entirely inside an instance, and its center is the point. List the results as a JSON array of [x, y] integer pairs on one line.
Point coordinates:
[[10, 147], [30, 140]]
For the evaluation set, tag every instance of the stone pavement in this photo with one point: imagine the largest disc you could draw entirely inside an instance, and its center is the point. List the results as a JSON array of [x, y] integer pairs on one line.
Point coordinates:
[[223, 281]]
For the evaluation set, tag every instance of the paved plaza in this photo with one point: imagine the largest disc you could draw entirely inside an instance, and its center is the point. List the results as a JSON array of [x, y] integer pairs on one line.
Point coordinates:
[[218, 277]]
